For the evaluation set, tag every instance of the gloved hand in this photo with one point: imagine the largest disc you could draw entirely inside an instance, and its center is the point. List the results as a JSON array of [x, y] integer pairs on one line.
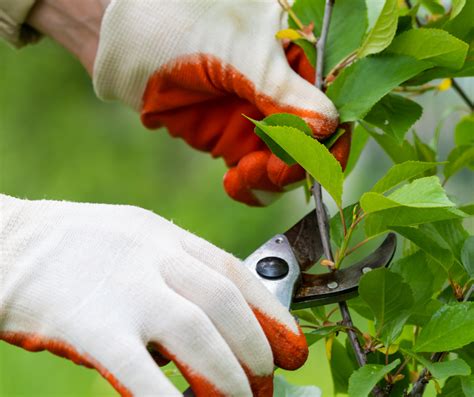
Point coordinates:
[[197, 66], [98, 284]]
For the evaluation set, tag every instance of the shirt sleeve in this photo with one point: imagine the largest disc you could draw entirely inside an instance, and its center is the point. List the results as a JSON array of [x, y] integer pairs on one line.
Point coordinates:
[[13, 14]]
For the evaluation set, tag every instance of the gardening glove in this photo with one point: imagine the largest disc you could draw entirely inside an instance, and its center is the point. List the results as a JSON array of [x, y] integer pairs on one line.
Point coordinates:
[[196, 67], [115, 287]]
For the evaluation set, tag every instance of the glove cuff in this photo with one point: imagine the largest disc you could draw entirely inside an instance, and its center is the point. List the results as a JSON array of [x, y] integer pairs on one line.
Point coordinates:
[[136, 38], [13, 14]]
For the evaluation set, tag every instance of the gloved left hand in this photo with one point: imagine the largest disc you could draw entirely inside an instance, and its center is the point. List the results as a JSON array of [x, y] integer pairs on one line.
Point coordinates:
[[197, 66], [98, 284]]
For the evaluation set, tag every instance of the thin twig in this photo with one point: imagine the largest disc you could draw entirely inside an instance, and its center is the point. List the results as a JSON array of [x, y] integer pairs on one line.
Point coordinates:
[[320, 210], [454, 83], [424, 378], [462, 94]]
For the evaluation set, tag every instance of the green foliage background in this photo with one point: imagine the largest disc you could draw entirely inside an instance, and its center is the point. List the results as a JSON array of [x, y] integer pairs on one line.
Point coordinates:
[[58, 141]]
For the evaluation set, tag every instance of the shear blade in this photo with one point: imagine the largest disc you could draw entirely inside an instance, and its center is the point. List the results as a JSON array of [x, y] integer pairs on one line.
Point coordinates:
[[323, 289]]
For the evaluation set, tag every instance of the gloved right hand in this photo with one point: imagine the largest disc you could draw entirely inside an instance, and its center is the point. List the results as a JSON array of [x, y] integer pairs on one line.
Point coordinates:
[[98, 284], [197, 66]]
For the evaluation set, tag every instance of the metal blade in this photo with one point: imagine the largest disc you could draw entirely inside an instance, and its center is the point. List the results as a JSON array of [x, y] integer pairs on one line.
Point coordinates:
[[305, 241], [322, 289]]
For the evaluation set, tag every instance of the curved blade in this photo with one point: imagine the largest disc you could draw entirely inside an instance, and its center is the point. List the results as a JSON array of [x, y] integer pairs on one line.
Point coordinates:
[[305, 241], [322, 289]]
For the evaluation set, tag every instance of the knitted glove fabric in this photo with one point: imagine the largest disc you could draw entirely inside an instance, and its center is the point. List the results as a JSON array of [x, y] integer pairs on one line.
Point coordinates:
[[106, 285], [196, 67]]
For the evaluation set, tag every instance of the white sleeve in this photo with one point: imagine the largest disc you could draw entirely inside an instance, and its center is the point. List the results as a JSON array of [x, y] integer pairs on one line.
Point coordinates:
[[13, 14]]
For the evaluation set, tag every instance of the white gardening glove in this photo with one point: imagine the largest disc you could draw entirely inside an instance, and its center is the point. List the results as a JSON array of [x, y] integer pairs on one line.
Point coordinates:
[[98, 284], [195, 66]]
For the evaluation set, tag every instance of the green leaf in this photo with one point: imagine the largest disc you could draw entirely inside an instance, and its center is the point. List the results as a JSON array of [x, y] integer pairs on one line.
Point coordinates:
[[461, 25], [430, 246], [322, 332], [309, 50], [467, 384], [313, 156], [306, 315], [364, 379], [417, 274], [358, 142], [424, 153], [433, 45], [452, 233], [280, 119], [341, 367], [397, 152], [456, 8], [381, 35], [433, 6], [360, 86], [421, 193], [463, 134], [450, 328], [444, 369], [346, 31], [460, 157], [468, 208], [336, 227], [381, 221], [467, 256], [452, 388], [399, 173], [390, 300], [284, 389], [394, 114]]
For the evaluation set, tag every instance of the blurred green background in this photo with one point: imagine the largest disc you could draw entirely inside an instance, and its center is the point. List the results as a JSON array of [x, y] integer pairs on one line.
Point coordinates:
[[57, 141]]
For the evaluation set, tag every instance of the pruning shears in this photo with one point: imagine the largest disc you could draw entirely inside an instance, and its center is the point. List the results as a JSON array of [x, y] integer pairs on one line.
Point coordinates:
[[281, 263]]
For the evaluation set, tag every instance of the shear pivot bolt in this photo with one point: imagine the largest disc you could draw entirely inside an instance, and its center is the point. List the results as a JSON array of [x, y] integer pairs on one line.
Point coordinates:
[[332, 285], [272, 267]]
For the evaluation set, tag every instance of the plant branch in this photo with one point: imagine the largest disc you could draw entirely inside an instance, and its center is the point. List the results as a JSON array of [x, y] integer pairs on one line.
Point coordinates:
[[320, 210], [424, 378], [462, 94]]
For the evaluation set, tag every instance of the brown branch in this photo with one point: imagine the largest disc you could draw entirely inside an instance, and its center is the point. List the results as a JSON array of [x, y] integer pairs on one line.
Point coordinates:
[[320, 210], [424, 378]]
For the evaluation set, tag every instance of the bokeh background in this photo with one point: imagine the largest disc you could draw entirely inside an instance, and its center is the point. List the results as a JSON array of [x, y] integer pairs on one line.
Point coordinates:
[[58, 141]]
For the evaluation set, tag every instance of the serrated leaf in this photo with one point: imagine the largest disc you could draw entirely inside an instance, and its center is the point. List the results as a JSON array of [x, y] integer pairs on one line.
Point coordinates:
[[394, 114], [421, 193], [382, 221], [450, 328], [284, 389], [461, 25], [431, 247], [458, 158], [467, 256], [390, 300], [463, 134], [433, 45], [444, 369], [399, 173], [364, 379], [360, 86], [279, 119], [383, 32], [358, 142], [346, 31], [452, 388], [313, 156]]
